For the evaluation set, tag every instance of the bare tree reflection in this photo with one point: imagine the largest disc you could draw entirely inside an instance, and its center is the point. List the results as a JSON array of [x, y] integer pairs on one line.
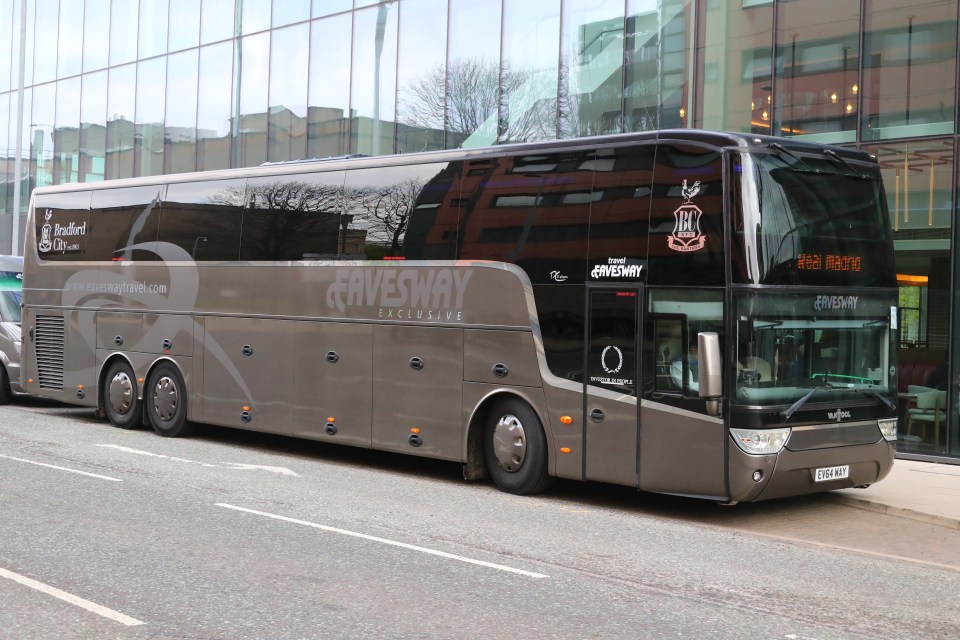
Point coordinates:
[[465, 97]]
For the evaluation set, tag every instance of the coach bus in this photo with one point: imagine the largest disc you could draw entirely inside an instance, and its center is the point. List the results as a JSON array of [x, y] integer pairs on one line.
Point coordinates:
[[685, 312]]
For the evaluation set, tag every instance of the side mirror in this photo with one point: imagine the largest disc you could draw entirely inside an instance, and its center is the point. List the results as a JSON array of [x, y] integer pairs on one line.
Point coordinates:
[[709, 370]]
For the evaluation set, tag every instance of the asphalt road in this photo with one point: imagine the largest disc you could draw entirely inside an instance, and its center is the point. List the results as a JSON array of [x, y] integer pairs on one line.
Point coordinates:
[[106, 533]]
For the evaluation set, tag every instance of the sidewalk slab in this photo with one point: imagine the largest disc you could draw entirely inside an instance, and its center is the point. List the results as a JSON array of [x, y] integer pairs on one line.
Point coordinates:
[[923, 491]]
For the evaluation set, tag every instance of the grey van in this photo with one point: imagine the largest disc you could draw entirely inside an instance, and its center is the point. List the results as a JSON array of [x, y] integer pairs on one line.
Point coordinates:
[[11, 281]]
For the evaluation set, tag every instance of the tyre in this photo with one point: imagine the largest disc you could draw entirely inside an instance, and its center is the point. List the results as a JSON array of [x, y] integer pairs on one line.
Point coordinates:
[[6, 393], [516, 448], [166, 398], [120, 392]]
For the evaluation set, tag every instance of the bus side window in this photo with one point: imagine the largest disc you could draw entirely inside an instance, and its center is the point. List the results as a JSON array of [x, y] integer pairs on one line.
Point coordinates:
[[125, 217], [69, 211], [669, 353], [686, 217], [384, 205], [292, 217], [675, 317], [203, 219]]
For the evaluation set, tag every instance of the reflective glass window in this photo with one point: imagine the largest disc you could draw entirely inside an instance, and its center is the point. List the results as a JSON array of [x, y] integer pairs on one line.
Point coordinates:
[[61, 223], [42, 132], [214, 106], [93, 126], [121, 105], [329, 74], [184, 24], [6, 52], [734, 57], [96, 16], [374, 80], [591, 67], [8, 149], [180, 133], [148, 153], [123, 32], [385, 203], [152, 36], [473, 73], [918, 179], [70, 45], [529, 71], [45, 47], [953, 437], [532, 210], [255, 16], [254, 76], [818, 54], [203, 219], [619, 213], [909, 68], [66, 138], [289, 11], [216, 20], [123, 225], [326, 7], [421, 75], [686, 217], [289, 60], [659, 39], [293, 217]]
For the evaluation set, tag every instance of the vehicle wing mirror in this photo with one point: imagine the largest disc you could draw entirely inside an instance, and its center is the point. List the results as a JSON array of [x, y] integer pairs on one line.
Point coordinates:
[[709, 369]]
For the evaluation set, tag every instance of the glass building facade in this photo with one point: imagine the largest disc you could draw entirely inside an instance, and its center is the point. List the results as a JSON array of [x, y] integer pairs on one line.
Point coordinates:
[[102, 89]]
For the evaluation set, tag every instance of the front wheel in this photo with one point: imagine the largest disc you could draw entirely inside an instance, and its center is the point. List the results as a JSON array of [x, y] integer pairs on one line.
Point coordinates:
[[516, 448], [166, 399], [120, 396]]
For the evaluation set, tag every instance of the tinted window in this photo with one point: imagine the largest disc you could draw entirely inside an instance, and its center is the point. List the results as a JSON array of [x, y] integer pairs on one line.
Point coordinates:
[[124, 224], [203, 219], [620, 214], [530, 210], [62, 222], [295, 217], [686, 217], [385, 204]]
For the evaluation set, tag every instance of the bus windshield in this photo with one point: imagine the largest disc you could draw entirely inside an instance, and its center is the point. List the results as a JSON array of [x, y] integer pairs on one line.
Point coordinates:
[[10, 296], [789, 343], [812, 219]]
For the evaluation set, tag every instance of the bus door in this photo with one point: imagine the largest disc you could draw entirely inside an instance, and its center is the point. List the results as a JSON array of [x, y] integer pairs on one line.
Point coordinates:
[[611, 420]]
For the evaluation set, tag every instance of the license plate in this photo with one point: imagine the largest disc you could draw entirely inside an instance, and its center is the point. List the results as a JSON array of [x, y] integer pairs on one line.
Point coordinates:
[[824, 474]]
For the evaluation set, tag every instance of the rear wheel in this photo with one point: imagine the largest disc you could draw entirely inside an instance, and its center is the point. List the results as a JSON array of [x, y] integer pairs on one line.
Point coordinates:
[[6, 393], [120, 400], [166, 400], [516, 448]]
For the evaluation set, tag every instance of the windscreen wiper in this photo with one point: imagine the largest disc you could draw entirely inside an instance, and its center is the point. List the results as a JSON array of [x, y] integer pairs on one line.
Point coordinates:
[[887, 402], [783, 151], [792, 409], [833, 155]]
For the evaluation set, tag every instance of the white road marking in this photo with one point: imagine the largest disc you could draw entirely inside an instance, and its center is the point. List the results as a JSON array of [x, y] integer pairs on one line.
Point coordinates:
[[214, 465], [93, 607], [393, 543], [52, 466]]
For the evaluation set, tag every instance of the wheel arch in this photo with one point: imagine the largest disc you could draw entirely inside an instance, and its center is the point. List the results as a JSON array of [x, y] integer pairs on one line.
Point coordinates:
[[474, 467]]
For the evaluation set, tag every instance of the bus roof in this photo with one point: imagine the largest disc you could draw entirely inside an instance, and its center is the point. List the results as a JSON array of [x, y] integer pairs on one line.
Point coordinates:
[[716, 139]]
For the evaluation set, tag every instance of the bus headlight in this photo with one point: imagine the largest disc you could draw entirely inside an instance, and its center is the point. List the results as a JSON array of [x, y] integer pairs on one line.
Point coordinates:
[[761, 441], [888, 427]]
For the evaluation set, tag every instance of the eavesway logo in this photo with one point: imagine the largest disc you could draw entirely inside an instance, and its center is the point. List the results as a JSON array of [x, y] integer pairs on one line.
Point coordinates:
[[836, 303]]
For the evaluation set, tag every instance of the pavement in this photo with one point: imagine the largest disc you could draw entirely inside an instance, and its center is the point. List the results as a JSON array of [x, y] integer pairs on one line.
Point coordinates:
[[923, 491]]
